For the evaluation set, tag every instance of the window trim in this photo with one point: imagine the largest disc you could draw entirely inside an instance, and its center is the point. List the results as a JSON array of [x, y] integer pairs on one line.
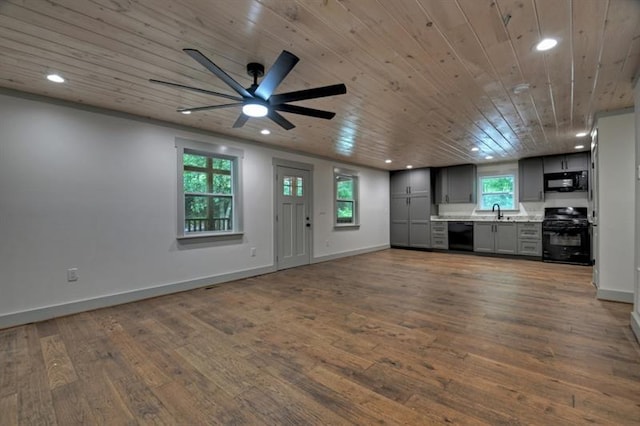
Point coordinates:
[[217, 150], [495, 174], [354, 175]]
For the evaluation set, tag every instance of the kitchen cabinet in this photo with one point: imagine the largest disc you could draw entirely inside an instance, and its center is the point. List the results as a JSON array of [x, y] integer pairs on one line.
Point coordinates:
[[410, 210], [456, 184], [530, 239], [495, 237], [531, 179], [439, 235], [575, 162]]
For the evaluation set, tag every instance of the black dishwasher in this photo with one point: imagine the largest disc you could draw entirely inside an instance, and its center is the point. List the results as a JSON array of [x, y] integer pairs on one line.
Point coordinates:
[[461, 236]]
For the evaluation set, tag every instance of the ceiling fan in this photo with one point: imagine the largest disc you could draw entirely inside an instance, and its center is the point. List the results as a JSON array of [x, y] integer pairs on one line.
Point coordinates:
[[258, 100]]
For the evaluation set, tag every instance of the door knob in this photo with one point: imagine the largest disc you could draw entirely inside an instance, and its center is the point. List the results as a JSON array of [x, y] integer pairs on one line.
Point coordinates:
[[308, 225]]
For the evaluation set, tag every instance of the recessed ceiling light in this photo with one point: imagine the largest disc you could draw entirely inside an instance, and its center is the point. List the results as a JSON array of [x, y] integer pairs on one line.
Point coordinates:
[[254, 110], [265, 131], [488, 157], [387, 161], [185, 112], [409, 166], [581, 134], [56, 78], [579, 147], [546, 44], [475, 149]]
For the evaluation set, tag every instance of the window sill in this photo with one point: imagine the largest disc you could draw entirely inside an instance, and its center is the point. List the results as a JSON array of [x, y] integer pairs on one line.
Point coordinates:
[[347, 226], [211, 236], [501, 211]]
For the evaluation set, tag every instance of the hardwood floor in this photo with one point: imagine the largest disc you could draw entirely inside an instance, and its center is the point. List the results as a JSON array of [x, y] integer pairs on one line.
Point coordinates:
[[392, 337]]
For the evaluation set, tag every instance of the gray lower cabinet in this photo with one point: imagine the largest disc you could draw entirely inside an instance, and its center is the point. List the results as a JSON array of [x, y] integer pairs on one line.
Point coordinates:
[[495, 237], [530, 239], [440, 235], [410, 209]]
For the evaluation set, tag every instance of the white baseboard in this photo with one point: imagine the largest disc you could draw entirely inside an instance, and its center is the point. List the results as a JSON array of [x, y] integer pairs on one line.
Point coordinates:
[[635, 324], [614, 295], [48, 312], [349, 253]]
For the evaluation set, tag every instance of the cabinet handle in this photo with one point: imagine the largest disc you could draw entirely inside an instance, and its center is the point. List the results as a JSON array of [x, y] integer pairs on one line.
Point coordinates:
[[470, 195], [540, 196], [447, 197]]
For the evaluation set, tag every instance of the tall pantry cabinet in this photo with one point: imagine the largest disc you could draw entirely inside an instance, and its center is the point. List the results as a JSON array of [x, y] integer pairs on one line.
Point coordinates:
[[411, 206]]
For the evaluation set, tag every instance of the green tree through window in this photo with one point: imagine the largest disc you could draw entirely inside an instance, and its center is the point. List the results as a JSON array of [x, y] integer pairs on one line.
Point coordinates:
[[346, 199], [208, 193], [497, 189]]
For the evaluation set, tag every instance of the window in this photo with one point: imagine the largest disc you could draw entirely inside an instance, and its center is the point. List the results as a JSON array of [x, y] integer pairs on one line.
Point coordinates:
[[497, 189], [208, 190], [346, 196]]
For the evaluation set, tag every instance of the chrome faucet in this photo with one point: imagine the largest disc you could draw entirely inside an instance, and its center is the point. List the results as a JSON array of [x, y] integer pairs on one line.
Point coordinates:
[[493, 209]]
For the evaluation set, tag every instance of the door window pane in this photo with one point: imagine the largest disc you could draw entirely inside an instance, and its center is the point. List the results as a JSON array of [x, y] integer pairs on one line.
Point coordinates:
[[287, 186], [299, 187]]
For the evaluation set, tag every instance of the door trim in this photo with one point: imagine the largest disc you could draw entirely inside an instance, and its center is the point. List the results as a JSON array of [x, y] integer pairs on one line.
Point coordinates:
[[281, 162]]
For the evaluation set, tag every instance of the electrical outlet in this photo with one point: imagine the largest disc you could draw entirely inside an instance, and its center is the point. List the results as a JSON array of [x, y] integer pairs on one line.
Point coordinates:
[[72, 274], [252, 252]]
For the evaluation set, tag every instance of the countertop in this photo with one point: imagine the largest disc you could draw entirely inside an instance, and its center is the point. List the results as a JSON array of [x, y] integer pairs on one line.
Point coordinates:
[[488, 218]]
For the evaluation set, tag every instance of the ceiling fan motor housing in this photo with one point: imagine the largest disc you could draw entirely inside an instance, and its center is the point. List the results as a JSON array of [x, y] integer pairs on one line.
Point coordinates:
[[255, 69]]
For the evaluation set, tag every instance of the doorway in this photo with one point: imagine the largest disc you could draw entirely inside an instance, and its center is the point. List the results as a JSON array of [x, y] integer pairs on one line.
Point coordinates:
[[293, 214]]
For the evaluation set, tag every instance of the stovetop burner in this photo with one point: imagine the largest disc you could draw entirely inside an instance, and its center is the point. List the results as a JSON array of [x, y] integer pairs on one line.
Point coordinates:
[[566, 213], [565, 217]]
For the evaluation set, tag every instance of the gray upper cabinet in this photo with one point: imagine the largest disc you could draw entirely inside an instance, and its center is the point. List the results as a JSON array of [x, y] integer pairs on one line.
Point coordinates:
[[399, 183], [531, 179], [410, 210], [457, 184], [495, 237], [576, 162]]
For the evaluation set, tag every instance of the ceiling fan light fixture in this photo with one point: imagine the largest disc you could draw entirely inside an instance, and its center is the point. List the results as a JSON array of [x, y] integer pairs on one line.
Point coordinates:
[[409, 166], [387, 161], [265, 131], [254, 110], [546, 44]]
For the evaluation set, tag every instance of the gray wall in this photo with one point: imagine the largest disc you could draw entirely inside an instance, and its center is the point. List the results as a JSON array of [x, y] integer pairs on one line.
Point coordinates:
[[97, 192]]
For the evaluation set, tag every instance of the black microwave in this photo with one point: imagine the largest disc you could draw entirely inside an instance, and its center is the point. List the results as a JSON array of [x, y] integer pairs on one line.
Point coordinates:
[[566, 181]]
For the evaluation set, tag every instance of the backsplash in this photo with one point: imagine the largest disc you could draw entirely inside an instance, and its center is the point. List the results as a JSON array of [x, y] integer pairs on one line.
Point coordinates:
[[552, 199]]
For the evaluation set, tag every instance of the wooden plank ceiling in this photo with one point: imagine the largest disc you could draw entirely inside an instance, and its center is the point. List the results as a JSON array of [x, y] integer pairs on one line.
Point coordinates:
[[427, 80]]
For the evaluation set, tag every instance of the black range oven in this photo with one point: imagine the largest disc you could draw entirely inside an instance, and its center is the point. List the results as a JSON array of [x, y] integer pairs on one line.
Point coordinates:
[[565, 235]]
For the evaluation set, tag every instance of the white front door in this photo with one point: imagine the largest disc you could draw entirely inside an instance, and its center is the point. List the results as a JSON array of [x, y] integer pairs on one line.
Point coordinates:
[[293, 220]]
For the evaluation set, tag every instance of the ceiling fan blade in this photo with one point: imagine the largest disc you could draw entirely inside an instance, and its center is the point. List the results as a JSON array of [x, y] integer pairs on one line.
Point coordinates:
[[300, 95], [278, 71], [195, 89], [240, 121], [205, 62], [280, 120], [206, 108], [294, 109]]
